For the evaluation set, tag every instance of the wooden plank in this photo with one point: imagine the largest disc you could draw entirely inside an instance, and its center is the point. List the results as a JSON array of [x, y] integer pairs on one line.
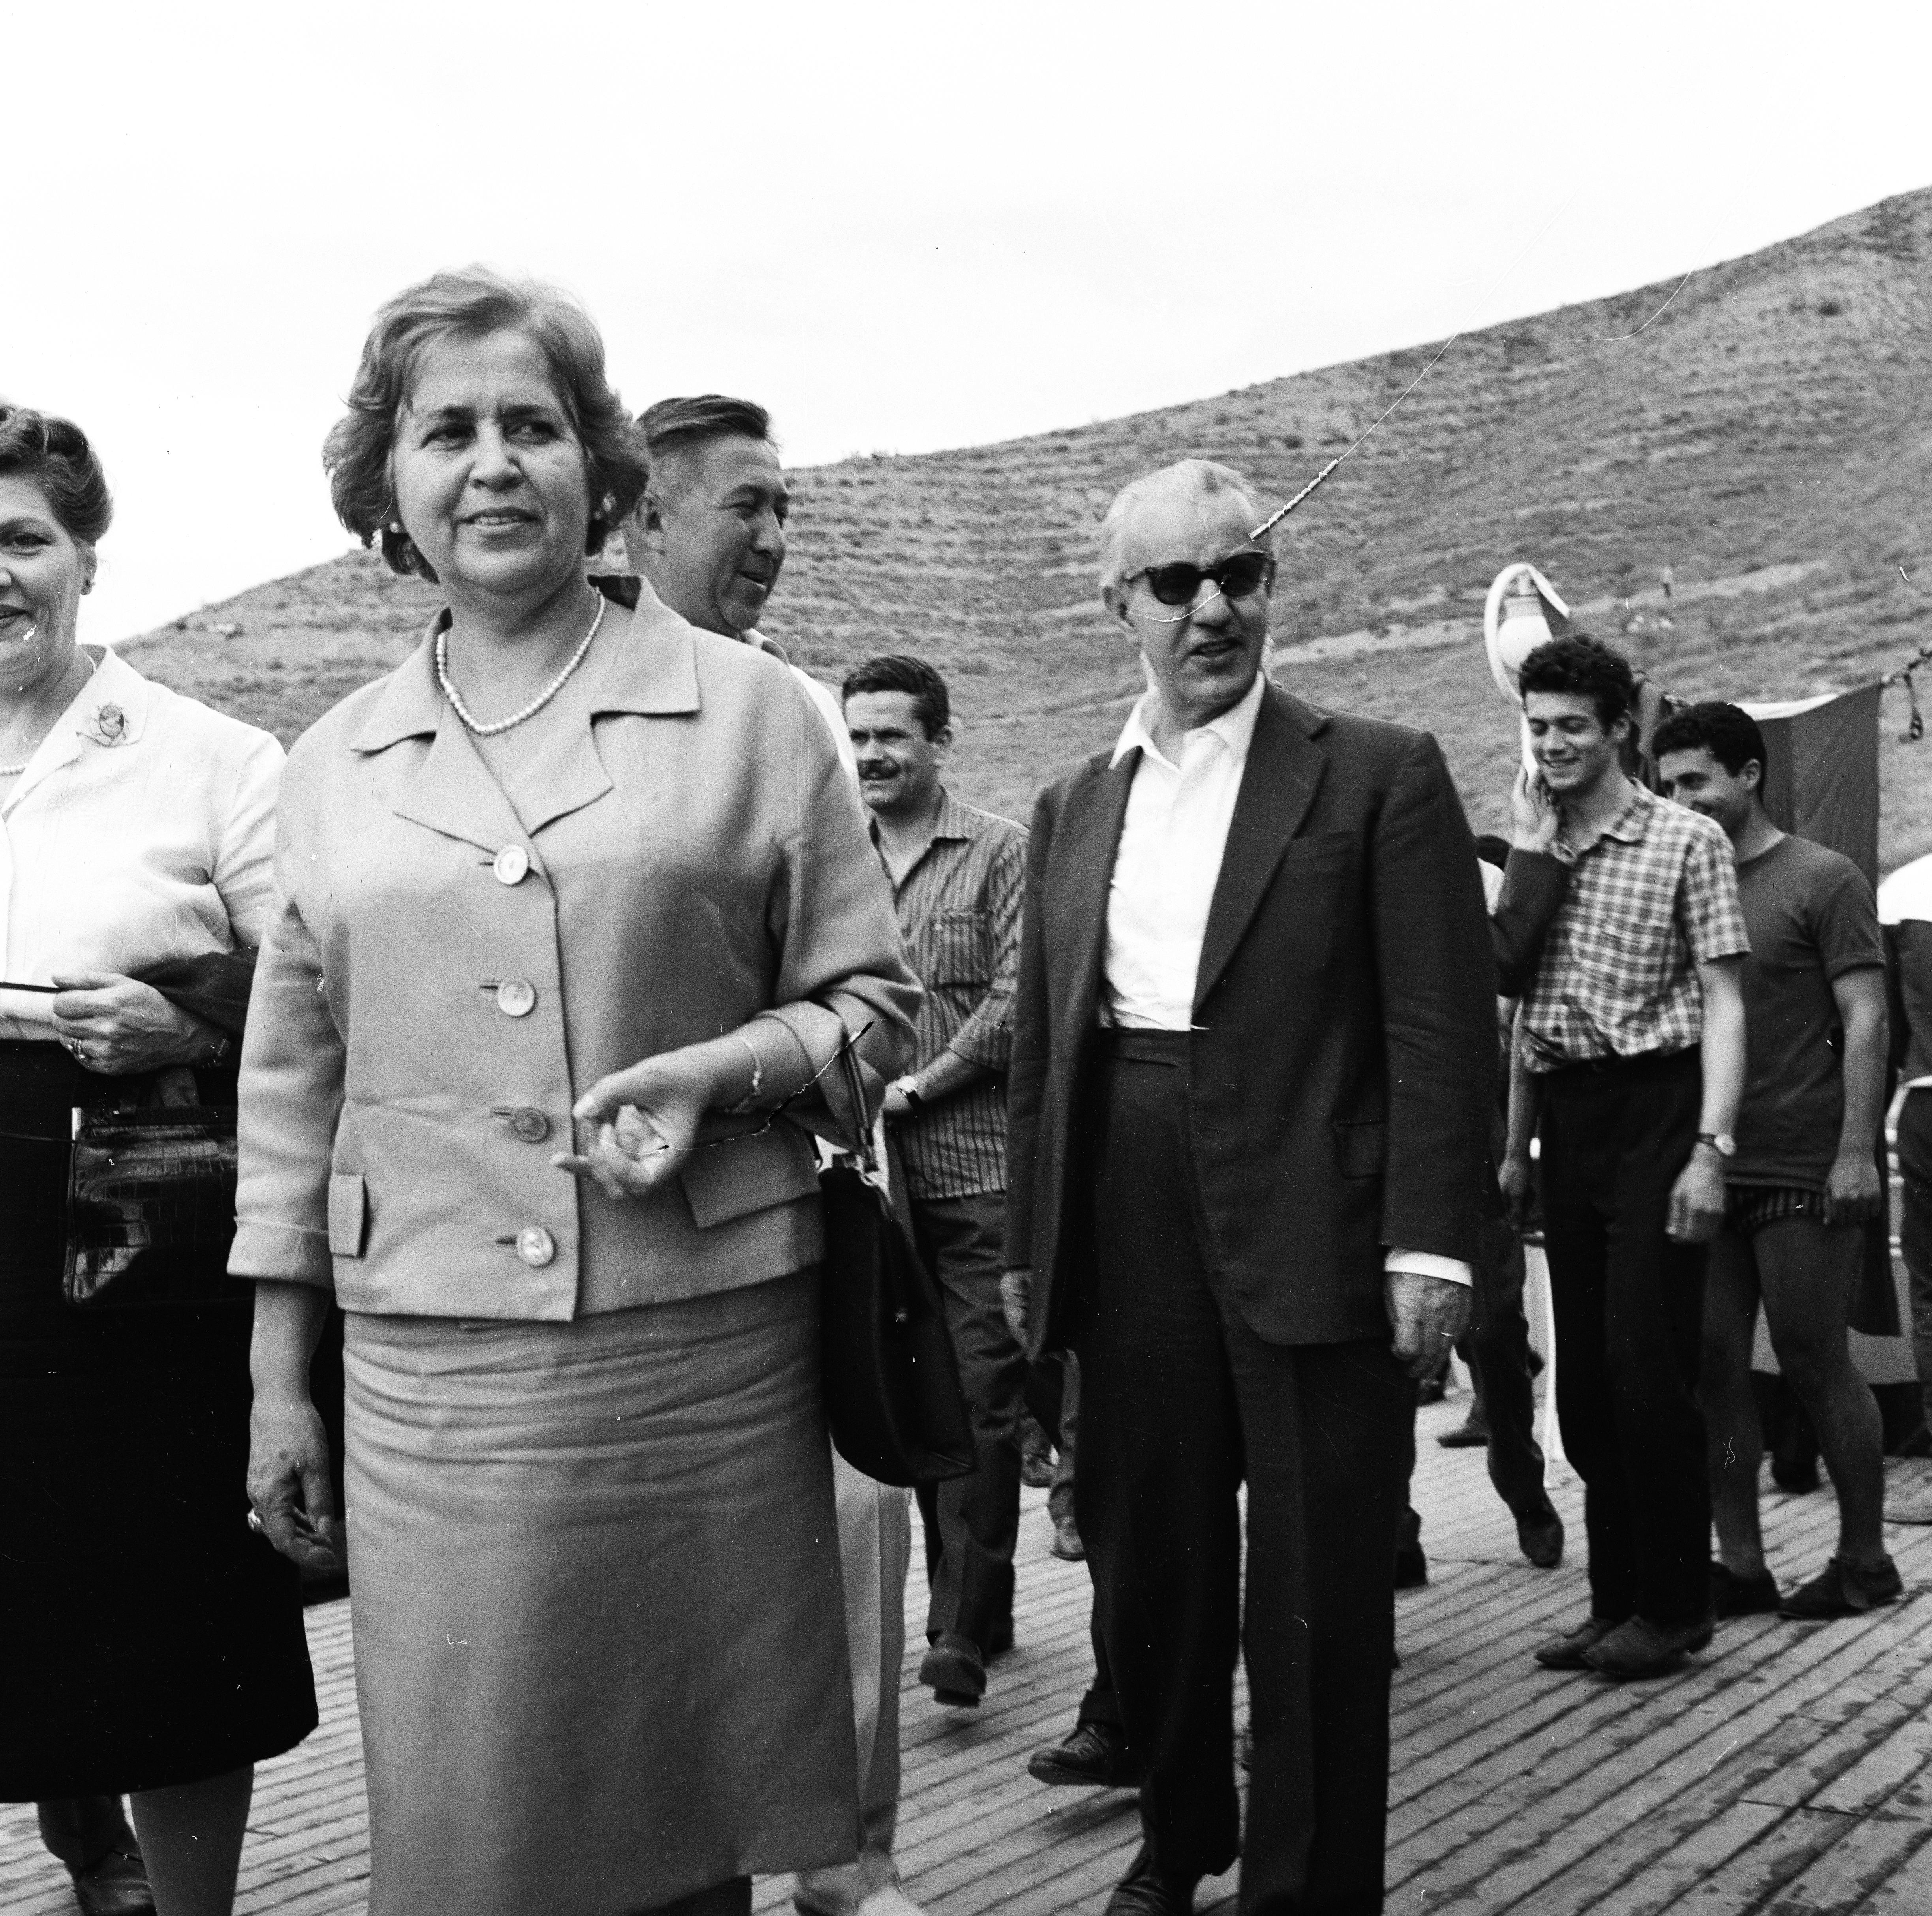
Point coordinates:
[[1788, 1770]]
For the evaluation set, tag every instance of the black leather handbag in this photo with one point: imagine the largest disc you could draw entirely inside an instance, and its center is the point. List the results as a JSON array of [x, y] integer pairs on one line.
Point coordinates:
[[891, 1381], [150, 1190], [150, 1208]]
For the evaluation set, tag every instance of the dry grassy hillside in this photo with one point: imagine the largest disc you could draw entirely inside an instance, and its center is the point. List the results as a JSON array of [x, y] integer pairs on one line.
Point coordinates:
[[1768, 438]]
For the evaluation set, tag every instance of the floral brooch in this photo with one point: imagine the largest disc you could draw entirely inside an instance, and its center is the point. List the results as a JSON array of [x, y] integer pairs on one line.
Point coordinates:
[[107, 726]]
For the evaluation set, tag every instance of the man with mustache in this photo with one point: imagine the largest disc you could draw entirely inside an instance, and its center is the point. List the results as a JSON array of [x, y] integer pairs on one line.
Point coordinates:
[[1253, 1054], [710, 539], [956, 875]]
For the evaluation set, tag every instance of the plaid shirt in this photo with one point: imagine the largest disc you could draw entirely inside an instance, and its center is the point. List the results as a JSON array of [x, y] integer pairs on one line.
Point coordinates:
[[959, 912], [1655, 897]]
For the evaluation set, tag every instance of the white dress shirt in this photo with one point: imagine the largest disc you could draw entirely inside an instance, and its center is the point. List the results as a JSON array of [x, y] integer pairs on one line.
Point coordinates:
[[142, 829], [1172, 841], [824, 702]]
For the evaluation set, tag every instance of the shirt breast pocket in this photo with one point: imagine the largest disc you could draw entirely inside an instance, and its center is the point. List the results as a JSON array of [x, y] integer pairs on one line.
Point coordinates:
[[1633, 952], [956, 948]]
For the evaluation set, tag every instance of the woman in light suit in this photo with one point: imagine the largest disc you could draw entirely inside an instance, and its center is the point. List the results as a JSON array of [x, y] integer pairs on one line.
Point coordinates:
[[577, 890]]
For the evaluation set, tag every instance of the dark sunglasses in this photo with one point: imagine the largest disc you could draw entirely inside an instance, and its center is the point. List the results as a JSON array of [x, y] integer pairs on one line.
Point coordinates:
[[1238, 576]]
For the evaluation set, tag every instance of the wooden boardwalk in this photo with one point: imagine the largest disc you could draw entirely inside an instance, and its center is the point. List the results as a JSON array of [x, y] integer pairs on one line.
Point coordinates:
[[1787, 1772]]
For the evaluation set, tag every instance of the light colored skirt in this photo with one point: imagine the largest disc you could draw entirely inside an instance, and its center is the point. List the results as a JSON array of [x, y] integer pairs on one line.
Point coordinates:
[[600, 1634]]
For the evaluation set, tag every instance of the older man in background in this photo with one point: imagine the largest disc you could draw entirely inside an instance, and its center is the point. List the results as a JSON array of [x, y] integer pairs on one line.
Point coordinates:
[[1253, 1060], [710, 539]]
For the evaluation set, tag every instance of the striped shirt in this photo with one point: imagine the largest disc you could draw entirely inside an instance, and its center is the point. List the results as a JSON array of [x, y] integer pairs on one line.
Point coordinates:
[[959, 912], [1653, 898]]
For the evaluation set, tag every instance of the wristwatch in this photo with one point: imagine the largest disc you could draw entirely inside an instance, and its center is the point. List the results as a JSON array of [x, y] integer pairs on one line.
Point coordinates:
[[908, 1089], [219, 1049], [1722, 1142]]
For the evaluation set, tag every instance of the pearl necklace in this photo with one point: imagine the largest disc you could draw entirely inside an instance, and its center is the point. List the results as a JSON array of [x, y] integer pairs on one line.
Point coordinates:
[[535, 706]]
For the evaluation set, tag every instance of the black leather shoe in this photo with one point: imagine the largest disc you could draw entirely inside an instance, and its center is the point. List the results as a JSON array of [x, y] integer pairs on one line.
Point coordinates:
[[1843, 1589], [1638, 1649], [1734, 1595], [1411, 1567], [1539, 1536], [1147, 1890], [1571, 1650], [955, 1672], [1094, 1757], [116, 1886], [1471, 1433]]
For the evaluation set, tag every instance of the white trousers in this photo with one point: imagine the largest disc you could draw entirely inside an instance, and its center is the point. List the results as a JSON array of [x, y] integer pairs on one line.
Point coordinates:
[[875, 1550]]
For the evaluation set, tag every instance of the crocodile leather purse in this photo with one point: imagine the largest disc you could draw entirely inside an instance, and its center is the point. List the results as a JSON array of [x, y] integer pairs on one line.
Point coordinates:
[[150, 1208]]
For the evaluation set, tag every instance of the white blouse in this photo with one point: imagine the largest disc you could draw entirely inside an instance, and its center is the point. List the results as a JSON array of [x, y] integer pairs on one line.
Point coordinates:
[[143, 828]]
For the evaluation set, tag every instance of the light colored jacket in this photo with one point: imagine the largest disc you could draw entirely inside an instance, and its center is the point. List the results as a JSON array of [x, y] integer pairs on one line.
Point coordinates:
[[695, 857]]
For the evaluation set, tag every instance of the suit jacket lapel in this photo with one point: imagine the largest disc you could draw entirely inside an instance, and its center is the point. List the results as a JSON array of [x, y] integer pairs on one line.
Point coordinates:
[[1278, 785], [1089, 836]]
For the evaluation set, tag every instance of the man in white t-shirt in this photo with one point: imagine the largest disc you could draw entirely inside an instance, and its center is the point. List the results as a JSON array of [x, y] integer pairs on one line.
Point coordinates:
[[710, 537]]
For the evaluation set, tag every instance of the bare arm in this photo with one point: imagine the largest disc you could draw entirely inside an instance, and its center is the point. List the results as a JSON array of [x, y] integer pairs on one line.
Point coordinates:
[[1525, 1110], [288, 1482], [1697, 1198], [1722, 1054], [1852, 1194]]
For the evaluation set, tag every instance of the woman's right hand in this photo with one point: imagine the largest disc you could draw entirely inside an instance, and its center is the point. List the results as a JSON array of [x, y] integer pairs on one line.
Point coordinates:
[[643, 1122], [290, 1488]]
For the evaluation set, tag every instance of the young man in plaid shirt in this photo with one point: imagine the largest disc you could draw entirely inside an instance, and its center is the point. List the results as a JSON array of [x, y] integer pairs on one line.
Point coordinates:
[[1630, 1060]]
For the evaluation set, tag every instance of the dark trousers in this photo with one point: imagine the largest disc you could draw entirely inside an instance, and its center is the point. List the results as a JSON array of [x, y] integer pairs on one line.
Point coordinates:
[[1179, 1402], [81, 1830], [1099, 1705], [970, 1523], [1067, 1437], [1629, 1304], [1914, 1231], [1497, 1351]]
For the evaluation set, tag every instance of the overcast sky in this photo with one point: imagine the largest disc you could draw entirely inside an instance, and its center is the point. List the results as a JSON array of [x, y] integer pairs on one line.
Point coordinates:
[[900, 227]]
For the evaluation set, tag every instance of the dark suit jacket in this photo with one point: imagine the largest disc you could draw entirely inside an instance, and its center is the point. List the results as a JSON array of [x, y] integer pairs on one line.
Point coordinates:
[[1534, 885], [1344, 1054]]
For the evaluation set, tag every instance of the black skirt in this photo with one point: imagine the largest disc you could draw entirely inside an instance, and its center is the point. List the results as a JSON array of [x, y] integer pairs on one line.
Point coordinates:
[[150, 1637]]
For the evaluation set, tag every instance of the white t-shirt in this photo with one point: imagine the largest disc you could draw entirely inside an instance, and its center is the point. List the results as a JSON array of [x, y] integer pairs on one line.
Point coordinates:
[[142, 829]]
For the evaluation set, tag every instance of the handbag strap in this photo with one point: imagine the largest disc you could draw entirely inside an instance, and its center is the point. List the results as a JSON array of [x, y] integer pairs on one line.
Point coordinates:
[[863, 1147]]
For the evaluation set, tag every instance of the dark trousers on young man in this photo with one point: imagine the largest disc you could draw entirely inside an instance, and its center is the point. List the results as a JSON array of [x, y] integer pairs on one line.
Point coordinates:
[[971, 1523], [1179, 1402], [1496, 1349], [1629, 1305]]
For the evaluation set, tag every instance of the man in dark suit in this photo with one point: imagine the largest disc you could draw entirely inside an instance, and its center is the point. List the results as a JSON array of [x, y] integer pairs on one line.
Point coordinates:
[[1253, 1061]]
